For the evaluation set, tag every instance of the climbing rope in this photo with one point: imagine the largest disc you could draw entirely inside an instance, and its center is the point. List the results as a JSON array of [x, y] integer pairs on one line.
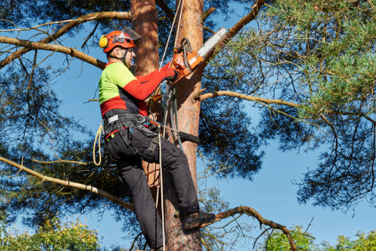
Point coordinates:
[[161, 181], [98, 141], [179, 7], [180, 4]]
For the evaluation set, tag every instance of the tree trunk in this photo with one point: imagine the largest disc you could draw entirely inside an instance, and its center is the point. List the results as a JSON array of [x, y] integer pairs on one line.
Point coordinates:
[[145, 24], [188, 117]]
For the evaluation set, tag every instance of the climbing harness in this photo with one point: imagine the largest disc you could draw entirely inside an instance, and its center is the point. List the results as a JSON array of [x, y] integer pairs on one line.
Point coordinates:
[[128, 120]]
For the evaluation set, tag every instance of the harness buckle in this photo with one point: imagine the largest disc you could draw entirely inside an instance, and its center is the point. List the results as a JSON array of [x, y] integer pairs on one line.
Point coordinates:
[[140, 119]]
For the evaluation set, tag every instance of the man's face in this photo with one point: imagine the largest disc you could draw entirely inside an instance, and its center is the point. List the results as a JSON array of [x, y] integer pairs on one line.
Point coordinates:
[[129, 56], [126, 55]]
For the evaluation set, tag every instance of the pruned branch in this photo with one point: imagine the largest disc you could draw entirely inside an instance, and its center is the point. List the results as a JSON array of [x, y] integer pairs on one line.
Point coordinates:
[[72, 23], [237, 27], [60, 161], [28, 45], [68, 183], [252, 212], [207, 13], [243, 96]]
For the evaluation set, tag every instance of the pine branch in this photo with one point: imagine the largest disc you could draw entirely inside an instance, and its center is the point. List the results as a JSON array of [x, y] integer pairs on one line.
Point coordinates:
[[252, 212], [28, 45], [237, 27], [72, 23], [243, 96], [69, 183]]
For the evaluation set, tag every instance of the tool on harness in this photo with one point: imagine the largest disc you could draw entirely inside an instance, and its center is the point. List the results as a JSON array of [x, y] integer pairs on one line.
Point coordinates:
[[182, 135], [185, 60], [185, 136]]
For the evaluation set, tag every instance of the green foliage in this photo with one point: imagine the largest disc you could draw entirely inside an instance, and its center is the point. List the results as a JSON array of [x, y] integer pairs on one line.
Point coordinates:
[[318, 58], [363, 242], [277, 241], [230, 149], [228, 142], [51, 236]]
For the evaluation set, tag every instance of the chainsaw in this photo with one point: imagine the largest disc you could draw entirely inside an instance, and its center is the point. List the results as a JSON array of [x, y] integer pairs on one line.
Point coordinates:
[[185, 60]]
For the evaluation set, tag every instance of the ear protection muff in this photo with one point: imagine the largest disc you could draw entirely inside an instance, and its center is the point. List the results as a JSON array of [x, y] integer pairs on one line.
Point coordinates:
[[103, 41]]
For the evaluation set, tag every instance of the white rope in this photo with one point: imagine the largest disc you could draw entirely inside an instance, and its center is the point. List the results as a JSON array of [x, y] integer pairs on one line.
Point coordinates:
[[180, 10], [172, 27], [161, 187]]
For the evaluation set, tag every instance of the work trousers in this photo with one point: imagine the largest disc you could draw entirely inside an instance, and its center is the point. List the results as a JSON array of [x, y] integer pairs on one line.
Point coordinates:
[[132, 174]]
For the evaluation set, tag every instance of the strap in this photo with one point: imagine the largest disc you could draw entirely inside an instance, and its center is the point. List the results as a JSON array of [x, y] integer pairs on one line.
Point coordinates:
[[129, 143], [127, 117], [149, 153]]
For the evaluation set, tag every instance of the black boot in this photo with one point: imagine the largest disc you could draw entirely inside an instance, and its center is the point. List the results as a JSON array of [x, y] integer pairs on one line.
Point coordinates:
[[197, 219]]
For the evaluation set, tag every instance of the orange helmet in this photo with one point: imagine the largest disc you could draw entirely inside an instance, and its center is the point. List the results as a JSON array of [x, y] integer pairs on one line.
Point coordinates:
[[124, 39]]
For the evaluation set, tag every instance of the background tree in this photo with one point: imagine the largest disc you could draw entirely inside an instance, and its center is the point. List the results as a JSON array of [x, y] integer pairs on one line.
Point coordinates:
[[277, 241], [305, 241], [51, 236], [306, 65]]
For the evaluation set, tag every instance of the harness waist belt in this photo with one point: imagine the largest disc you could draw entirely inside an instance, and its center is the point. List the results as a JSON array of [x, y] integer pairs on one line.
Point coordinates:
[[116, 117], [129, 117]]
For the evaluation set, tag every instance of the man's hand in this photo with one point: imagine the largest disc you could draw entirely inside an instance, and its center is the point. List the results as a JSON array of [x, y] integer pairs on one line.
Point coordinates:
[[171, 74]]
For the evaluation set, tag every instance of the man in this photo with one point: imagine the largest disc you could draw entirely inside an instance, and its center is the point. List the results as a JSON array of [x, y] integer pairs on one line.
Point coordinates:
[[123, 108]]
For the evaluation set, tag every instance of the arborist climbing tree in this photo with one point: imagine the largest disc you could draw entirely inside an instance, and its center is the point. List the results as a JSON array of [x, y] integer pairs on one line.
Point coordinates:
[[308, 70], [129, 140]]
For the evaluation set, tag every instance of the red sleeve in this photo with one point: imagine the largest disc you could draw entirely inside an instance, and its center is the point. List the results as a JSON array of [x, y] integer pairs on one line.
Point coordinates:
[[144, 86]]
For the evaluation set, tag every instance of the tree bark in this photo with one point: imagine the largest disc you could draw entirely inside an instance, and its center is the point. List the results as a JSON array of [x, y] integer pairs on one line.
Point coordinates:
[[188, 116], [145, 24]]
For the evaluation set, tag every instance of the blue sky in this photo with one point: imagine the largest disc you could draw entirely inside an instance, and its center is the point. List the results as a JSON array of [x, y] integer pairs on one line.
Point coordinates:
[[271, 192]]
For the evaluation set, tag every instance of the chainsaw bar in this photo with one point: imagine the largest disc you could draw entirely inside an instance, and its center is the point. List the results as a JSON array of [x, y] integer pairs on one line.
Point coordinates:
[[211, 42], [185, 60]]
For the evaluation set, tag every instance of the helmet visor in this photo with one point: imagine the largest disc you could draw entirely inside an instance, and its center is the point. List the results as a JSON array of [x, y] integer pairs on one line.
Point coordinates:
[[129, 34]]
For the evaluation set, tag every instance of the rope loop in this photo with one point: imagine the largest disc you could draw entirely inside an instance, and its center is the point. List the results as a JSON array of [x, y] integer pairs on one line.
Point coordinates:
[[97, 140]]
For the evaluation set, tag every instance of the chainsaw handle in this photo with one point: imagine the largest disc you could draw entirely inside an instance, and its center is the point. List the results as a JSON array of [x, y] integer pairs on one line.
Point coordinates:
[[185, 59], [185, 55]]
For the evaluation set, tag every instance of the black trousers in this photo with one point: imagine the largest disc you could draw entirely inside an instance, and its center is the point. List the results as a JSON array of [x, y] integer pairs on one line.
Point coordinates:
[[131, 173]]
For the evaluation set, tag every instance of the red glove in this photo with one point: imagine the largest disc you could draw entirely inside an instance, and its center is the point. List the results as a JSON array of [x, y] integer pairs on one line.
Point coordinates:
[[170, 74]]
